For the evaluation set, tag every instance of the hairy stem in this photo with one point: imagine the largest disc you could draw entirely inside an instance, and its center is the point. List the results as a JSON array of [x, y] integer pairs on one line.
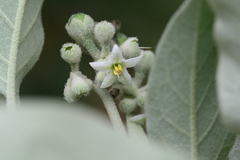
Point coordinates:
[[136, 131], [111, 109], [89, 44], [105, 50], [138, 78]]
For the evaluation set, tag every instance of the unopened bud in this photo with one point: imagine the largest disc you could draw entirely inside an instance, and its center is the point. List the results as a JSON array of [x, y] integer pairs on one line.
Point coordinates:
[[127, 105], [71, 53], [80, 87], [100, 77], [104, 31], [80, 26], [146, 62], [141, 99], [130, 48]]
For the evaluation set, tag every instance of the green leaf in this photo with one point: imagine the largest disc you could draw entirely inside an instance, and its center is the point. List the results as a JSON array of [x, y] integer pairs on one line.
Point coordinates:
[[181, 108], [20, 44], [52, 130], [227, 35]]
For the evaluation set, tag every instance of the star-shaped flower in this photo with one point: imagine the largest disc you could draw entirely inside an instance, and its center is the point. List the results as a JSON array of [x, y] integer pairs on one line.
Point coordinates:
[[116, 68]]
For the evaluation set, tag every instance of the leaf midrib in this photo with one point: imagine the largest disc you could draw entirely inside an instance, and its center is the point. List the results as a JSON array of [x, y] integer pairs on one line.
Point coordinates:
[[11, 75], [193, 78]]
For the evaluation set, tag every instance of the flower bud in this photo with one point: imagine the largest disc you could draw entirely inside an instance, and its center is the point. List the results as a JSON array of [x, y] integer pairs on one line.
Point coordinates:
[[130, 48], [104, 31], [80, 87], [71, 53], [100, 77], [120, 38], [80, 26], [127, 105], [139, 119], [146, 62], [141, 99]]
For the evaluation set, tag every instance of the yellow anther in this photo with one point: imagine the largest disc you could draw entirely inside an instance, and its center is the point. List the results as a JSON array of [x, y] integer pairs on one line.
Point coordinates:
[[115, 72], [116, 68], [120, 67]]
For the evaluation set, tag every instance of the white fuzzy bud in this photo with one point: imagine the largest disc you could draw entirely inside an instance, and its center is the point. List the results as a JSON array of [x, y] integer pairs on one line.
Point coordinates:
[[104, 31], [80, 26], [80, 87], [71, 53], [127, 105], [100, 76], [141, 99], [146, 62], [130, 48]]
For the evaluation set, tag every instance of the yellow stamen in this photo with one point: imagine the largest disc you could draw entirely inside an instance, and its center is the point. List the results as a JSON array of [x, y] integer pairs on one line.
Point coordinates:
[[117, 69], [120, 67], [115, 72]]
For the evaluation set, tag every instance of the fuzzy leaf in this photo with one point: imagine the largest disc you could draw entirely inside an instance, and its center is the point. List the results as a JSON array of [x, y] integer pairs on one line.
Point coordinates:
[[181, 108], [21, 41], [227, 33], [51, 130]]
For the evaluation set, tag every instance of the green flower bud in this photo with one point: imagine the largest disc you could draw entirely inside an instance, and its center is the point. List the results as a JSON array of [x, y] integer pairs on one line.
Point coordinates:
[[80, 26], [71, 53], [146, 62], [130, 48], [127, 105], [104, 31], [100, 76], [141, 99], [120, 38], [139, 119], [80, 87], [68, 95]]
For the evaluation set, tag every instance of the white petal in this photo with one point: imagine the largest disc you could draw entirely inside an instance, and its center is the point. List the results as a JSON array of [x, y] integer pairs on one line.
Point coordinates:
[[131, 62], [108, 80], [125, 77], [116, 55], [101, 66]]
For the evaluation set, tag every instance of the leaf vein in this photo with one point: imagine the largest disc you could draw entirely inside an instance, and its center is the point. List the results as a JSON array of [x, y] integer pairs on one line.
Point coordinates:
[[205, 93], [4, 60], [30, 26], [6, 19], [204, 135], [179, 129]]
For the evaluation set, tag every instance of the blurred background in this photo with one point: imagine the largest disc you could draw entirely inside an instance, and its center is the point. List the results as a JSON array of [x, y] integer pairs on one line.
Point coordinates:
[[143, 19]]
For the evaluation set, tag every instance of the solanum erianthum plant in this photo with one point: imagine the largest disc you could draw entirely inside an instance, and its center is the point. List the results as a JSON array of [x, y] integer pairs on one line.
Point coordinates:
[[113, 53]]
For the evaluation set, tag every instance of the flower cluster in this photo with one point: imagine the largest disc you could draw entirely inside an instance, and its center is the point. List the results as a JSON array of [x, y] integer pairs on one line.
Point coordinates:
[[113, 53]]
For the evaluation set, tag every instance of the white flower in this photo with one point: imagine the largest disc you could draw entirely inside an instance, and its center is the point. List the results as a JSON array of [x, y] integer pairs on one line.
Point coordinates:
[[116, 68]]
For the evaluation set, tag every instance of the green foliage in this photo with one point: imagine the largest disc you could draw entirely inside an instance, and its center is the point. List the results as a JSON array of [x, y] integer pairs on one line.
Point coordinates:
[[21, 43], [182, 110], [52, 130]]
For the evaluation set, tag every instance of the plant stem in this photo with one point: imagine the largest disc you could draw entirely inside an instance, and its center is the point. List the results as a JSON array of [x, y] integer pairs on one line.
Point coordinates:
[[135, 131], [111, 109], [89, 44], [105, 50], [138, 78]]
